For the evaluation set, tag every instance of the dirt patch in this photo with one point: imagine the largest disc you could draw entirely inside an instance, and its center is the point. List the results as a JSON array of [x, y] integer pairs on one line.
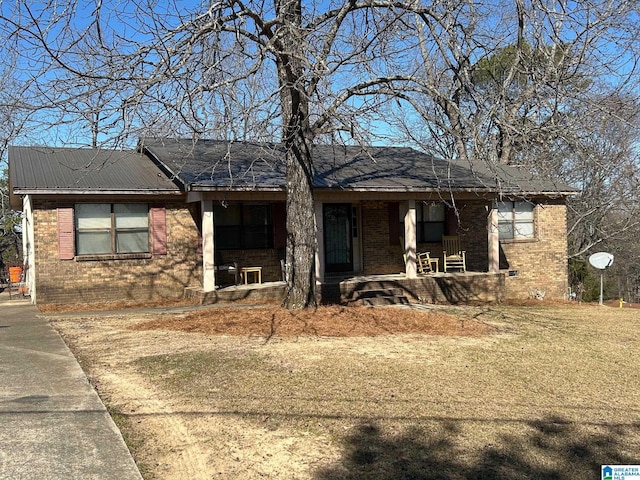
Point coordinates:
[[382, 393]]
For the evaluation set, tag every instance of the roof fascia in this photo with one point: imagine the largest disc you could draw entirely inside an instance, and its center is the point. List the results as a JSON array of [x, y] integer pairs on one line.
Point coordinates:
[[59, 191]]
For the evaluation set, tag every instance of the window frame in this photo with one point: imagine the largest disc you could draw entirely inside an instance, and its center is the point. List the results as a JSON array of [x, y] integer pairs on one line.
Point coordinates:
[[113, 230], [421, 225], [241, 233], [515, 219]]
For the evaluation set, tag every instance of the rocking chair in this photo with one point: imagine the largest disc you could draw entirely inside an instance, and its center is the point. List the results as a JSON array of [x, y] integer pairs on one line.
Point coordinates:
[[453, 256], [426, 264]]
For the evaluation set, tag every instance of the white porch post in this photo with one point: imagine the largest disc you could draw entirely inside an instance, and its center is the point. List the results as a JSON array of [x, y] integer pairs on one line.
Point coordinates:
[[410, 239], [319, 242], [493, 239], [208, 253]]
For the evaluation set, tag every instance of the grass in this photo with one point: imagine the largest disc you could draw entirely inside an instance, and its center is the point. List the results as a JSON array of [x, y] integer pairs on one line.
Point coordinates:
[[544, 392], [134, 439]]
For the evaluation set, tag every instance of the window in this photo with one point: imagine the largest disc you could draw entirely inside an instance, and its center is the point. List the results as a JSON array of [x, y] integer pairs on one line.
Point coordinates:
[[430, 222], [515, 220], [243, 226], [108, 228]]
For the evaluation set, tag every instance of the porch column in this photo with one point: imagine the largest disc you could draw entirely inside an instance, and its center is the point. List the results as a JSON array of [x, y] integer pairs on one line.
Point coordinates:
[[319, 242], [208, 253], [493, 239], [410, 239]]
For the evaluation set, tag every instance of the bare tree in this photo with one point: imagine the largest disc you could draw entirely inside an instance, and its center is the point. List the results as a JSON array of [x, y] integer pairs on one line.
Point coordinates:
[[483, 84], [310, 69], [498, 85]]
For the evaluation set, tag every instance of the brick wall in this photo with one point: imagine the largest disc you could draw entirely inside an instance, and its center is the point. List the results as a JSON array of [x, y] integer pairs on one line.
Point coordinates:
[[540, 263], [378, 254], [380, 257], [150, 278], [268, 259]]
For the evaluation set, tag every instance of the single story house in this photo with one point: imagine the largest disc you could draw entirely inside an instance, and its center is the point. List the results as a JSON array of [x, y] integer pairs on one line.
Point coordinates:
[[160, 221]]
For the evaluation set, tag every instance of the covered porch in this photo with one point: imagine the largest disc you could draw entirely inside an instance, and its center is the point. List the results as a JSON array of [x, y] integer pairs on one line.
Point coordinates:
[[390, 289], [357, 236]]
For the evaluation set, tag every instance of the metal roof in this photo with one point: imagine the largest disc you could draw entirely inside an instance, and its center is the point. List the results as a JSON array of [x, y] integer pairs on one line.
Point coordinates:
[[82, 170], [208, 165]]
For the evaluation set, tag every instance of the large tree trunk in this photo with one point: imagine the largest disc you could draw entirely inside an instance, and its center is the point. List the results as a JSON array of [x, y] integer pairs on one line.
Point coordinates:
[[297, 139], [301, 227]]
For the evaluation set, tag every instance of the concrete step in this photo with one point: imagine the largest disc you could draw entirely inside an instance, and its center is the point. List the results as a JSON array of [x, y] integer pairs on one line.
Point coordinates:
[[374, 292], [378, 300]]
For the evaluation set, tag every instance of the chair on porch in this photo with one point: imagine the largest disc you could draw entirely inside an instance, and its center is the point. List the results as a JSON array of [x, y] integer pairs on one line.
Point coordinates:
[[232, 268], [425, 264], [453, 256]]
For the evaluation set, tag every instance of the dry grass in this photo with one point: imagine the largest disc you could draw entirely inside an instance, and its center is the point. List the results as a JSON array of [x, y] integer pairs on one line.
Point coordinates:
[[511, 392]]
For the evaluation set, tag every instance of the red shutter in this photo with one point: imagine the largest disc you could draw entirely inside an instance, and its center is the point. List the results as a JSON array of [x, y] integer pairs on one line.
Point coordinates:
[[279, 225], [394, 224], [66, 237], [158, 230]]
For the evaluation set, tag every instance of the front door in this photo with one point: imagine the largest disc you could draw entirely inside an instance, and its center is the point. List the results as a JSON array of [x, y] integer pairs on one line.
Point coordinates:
[[337, 238]]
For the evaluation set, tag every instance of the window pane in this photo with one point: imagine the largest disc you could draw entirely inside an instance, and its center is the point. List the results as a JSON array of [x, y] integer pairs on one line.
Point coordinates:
[[436, 213], [505, 210], [227, 237], [131, 215], [92, 242], [433, 232], [93, 215], [524, 211], [505, 230], [256, 215], [257, 237], [524, 230], [132, 241], [229, 215]]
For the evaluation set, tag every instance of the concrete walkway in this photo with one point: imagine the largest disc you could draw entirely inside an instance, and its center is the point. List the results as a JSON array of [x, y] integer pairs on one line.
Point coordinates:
[[53, 425]]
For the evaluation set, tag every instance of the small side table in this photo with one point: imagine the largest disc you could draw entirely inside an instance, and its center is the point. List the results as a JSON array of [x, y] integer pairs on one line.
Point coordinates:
[[257, 274]]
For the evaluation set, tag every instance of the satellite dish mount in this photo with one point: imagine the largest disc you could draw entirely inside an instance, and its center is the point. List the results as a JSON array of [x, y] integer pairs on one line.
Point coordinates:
[[601, 261]]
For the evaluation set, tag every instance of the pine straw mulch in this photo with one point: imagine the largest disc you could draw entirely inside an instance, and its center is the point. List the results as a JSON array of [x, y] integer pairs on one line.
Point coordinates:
[[325, 321]]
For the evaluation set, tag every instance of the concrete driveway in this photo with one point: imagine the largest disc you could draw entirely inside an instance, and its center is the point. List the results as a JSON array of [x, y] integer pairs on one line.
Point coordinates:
[[53, 425]]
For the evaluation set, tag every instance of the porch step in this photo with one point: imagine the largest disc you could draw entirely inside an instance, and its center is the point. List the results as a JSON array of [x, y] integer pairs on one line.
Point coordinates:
[[379, 297], [379, 292], [382, 301]]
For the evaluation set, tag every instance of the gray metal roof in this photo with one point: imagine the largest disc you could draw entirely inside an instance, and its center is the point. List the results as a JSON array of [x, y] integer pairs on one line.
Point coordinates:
[[83, 170], [220, 165]]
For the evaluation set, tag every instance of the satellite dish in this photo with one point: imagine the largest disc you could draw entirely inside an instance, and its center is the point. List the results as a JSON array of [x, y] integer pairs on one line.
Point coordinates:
[[601, 260]]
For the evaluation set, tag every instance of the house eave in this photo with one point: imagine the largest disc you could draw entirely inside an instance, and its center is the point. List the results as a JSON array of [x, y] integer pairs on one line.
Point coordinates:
[[247, 188], [406, 189], [71, 191]]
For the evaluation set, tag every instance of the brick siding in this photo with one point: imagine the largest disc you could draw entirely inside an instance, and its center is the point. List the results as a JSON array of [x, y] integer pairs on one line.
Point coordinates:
[[541, 263], [535, 264], [151, 278]]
